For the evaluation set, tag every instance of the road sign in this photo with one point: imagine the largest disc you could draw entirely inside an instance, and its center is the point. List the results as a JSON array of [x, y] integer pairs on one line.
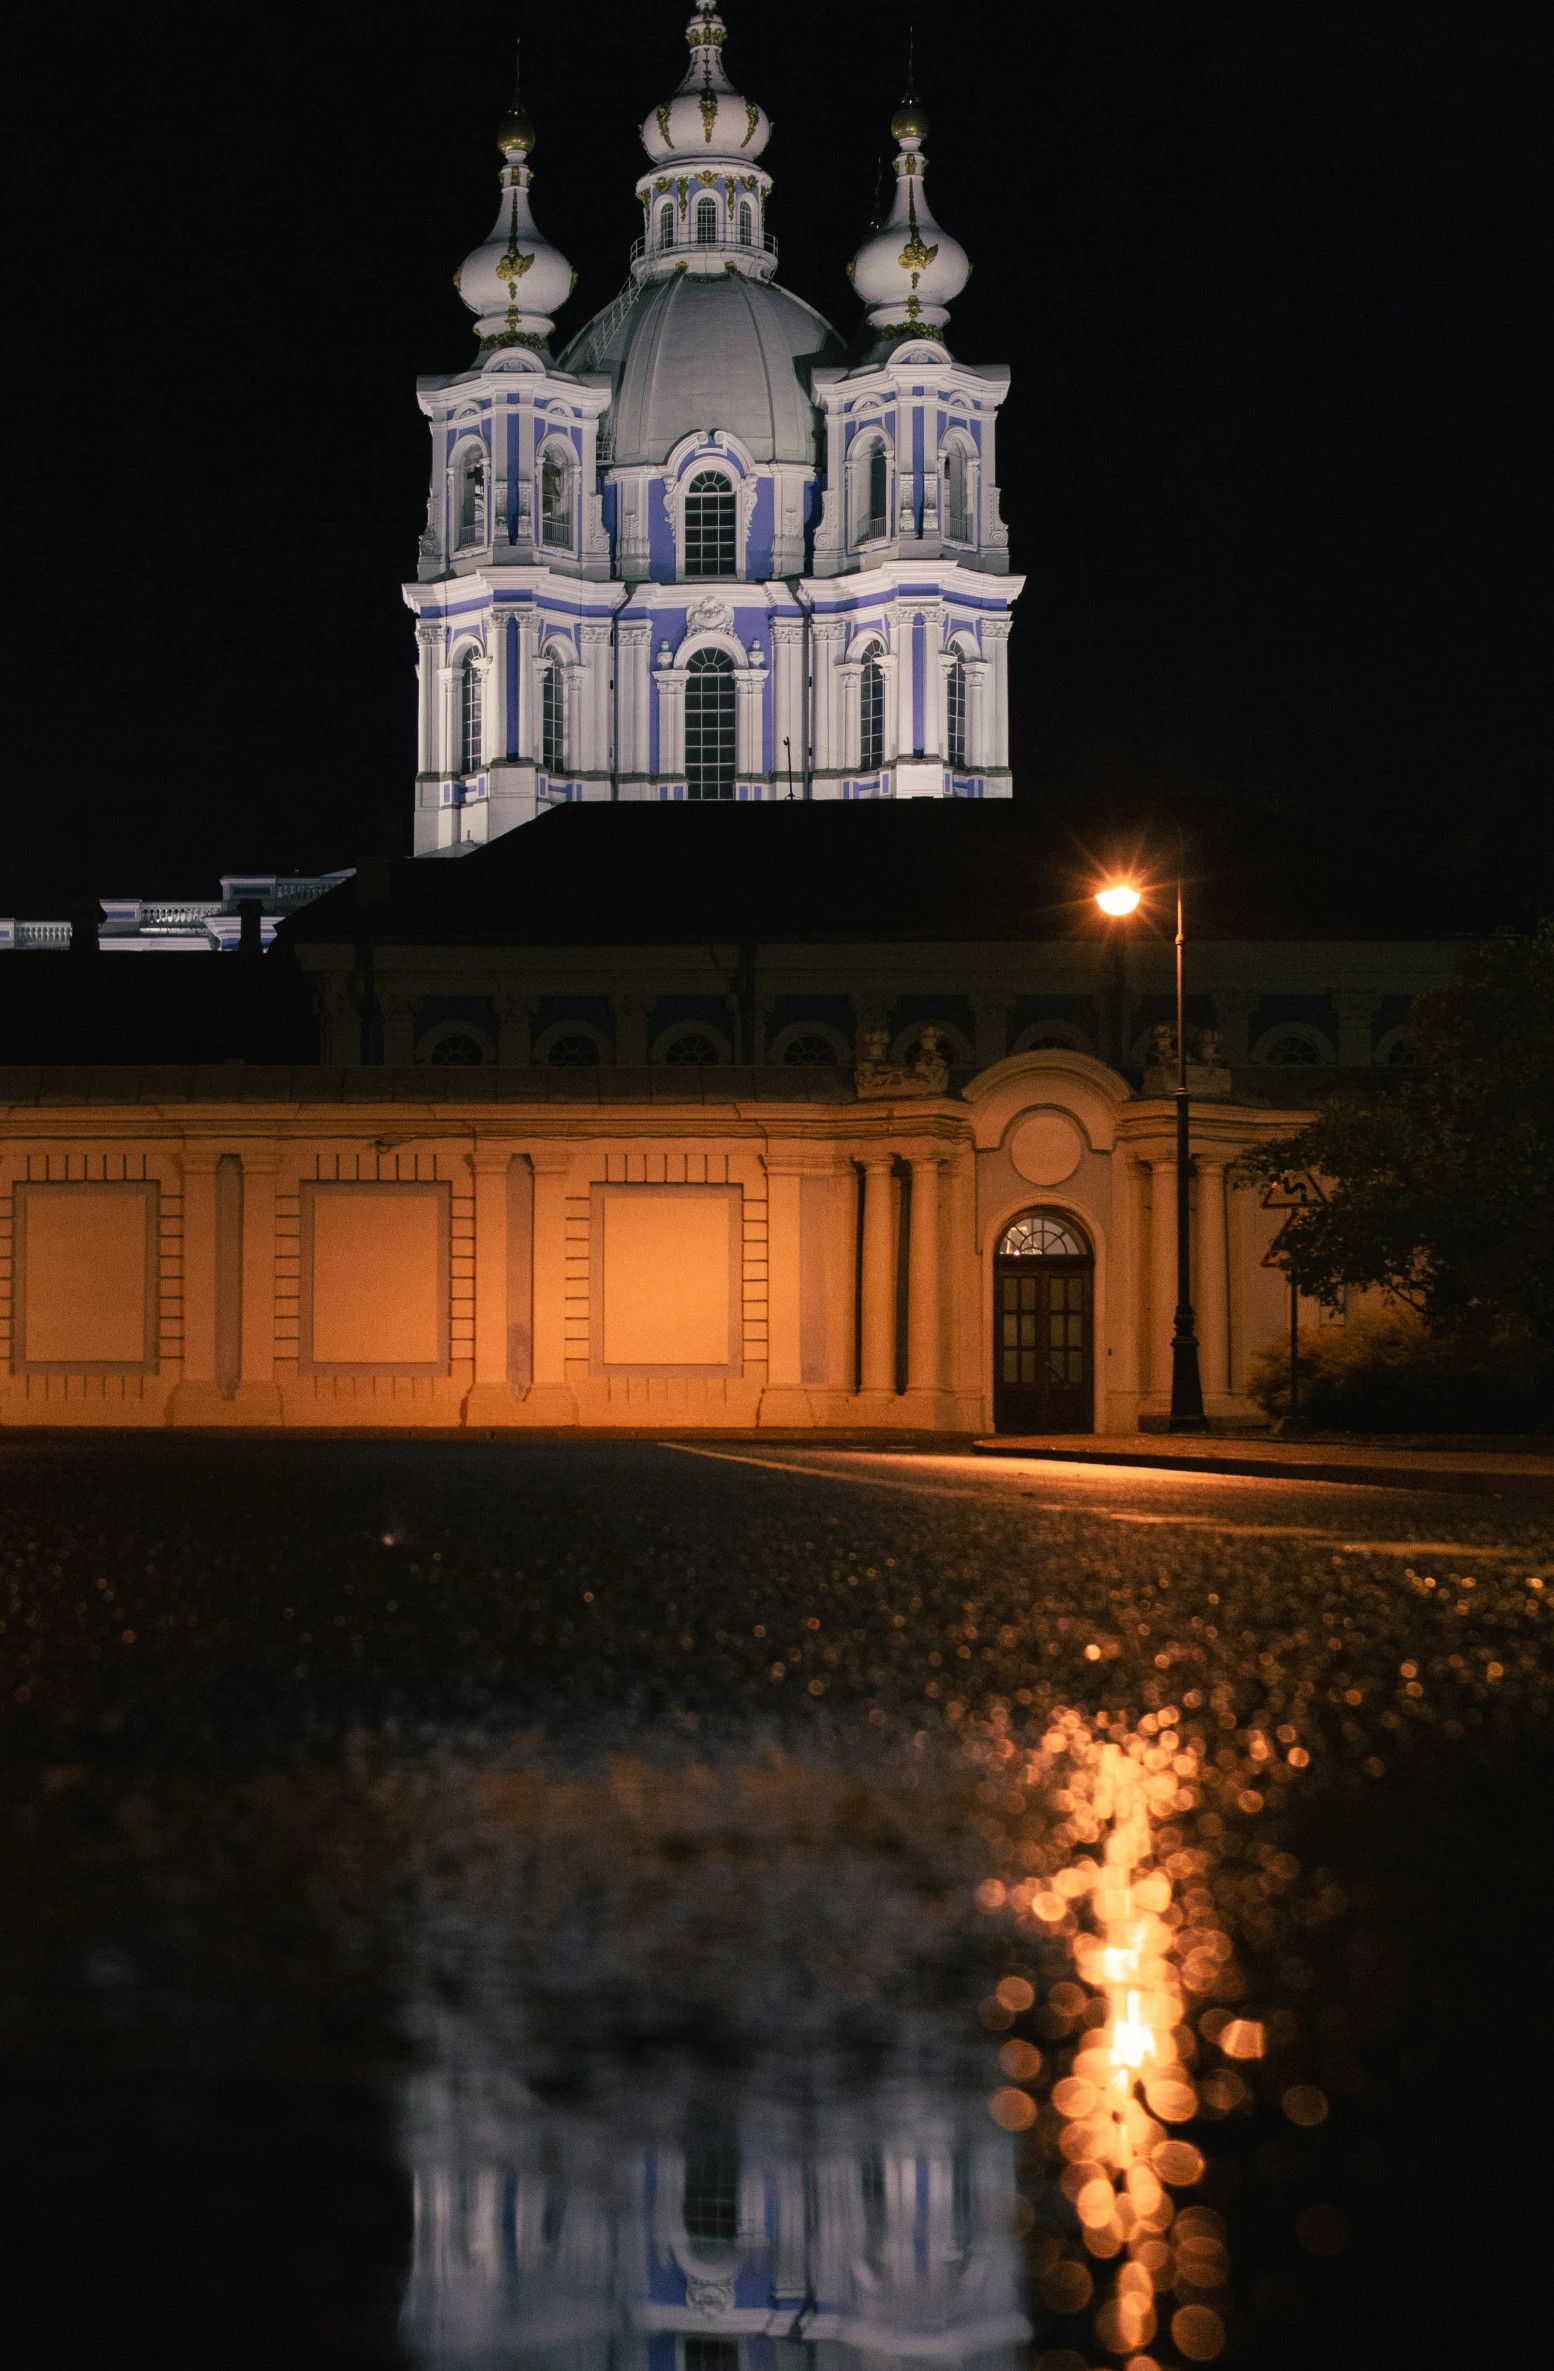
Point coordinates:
[[1302, 1195]]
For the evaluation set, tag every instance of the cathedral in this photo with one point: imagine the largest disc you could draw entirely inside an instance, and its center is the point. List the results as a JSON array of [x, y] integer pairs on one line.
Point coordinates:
[[814, 1091], [709, 551]]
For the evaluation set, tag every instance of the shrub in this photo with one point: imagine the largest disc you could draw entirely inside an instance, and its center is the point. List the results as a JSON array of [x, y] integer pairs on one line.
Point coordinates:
[[1385, 1371]]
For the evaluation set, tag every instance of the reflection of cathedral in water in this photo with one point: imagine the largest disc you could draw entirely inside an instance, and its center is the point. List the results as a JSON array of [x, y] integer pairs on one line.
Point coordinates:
[[878, 2224]]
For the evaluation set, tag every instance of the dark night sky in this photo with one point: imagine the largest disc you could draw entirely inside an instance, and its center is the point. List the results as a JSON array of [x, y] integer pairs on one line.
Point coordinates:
[[1272, 278]]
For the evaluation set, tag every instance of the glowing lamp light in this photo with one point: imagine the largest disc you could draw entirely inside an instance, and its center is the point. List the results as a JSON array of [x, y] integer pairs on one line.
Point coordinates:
[[1118, 900]]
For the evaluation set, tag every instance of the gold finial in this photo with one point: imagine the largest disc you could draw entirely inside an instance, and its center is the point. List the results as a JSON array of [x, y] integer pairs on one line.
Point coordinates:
[[915, 257], [515, 133], [910, 121]]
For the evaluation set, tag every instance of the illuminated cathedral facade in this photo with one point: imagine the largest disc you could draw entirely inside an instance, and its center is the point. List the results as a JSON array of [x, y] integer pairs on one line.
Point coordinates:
[[709, 553]]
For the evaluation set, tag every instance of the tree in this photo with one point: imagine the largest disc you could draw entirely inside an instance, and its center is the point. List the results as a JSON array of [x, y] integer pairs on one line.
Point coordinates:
[[1441, 1190]]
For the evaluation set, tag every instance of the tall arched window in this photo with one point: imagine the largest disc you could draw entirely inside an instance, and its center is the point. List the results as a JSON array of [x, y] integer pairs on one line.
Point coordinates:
[[706, 222], [955, 711], [556, 502], [709, 525], [871, 490], [959, 523], [746, 227], [709, 726], [871, 714], [553, 735], [666, 225], [472, 499], [469, 715]]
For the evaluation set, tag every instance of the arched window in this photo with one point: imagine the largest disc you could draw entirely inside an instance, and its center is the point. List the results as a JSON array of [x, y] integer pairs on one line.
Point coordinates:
[[469, 715], [693, 1048], [873, 491], [810, 1051], [1041, 1237], [709, 525], [556, 502], [472, 499], [706, 222], [553, 708], [573, 1052], [871, 714], [709, 726], [458, 1050], [955, 711], [959, 523], [666, 225], [746, 227]]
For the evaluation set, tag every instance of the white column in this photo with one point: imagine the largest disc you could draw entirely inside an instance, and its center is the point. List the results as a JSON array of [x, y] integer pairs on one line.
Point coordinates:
[[1212, 1286], [879, 1276], [634, 651], [849, 676], [428, 642], [671, 722], [594, 754], [490, 737], [923, 1276], [936, 667], [788, 706], [528, 702], [906, 662], [825, 651], [749, 693], [978, 701], [1162, 1276], [995, 641]]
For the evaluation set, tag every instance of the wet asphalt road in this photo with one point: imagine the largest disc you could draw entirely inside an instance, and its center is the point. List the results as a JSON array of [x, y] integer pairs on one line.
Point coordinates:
[[227, 1667]]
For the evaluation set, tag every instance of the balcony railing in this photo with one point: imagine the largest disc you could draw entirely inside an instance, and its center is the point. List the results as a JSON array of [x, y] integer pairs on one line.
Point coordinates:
[[646, 251]]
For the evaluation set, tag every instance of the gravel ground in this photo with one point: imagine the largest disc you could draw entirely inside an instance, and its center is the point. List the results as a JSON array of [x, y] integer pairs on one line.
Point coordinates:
[[626, 1750]]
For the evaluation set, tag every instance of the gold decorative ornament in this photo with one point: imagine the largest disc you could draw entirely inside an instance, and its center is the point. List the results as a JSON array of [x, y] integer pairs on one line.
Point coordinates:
[[682, 189], [910, 121], [706, 178], [747, 181], [915, 257], [752, 120], [663, 125], [661, 184], [708, 103]]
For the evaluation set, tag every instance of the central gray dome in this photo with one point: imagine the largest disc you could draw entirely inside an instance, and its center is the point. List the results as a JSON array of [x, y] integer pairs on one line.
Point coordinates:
[[691, 354]]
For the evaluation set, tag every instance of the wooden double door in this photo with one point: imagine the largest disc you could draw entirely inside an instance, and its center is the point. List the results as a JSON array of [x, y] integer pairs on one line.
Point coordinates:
[[1044, 1341]]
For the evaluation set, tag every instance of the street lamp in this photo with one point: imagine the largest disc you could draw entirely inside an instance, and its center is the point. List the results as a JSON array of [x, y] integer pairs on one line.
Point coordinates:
[[1120, 898]]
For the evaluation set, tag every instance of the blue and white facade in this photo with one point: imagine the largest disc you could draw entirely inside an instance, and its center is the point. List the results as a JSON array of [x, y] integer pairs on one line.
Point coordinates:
[[708, 554]]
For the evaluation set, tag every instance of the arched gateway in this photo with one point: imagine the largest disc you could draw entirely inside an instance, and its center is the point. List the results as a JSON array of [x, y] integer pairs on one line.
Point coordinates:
[[1043, 1301]]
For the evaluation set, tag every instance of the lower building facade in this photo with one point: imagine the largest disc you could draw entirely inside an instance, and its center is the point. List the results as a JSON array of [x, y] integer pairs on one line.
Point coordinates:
[[352, 1249]]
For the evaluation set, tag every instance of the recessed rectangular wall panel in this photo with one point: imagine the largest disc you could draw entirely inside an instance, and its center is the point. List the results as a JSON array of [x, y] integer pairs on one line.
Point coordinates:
[[86, 1279], [375, 1279], [666, 1280]]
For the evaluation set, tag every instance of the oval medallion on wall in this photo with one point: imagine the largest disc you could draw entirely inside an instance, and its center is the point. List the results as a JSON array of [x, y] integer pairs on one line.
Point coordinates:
[[1046, 1148]]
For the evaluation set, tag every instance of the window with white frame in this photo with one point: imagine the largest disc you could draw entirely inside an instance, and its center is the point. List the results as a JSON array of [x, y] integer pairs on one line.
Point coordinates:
[[706, 222], [959, 508], [871, 712], [553, 710], [709, 525], [469, 714], [955, 711], [709, 726], [873, 495], [556, 502], [666, 225], [746, 226], [471, 492]]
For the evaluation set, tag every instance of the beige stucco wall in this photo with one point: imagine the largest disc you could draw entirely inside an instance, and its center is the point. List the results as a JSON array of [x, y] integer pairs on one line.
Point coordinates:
[[413, 1265]]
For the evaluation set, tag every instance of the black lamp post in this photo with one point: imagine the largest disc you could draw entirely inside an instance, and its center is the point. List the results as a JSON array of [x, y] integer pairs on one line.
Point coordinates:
[[1120, 899]]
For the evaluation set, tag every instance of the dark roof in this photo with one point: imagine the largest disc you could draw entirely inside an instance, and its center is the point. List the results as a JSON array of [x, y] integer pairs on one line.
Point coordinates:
[[828, 872]]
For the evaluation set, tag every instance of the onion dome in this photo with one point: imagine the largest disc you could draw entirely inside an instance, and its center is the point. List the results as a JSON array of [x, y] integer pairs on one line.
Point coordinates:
[[909, 270], [514, 281], [707, 118]]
